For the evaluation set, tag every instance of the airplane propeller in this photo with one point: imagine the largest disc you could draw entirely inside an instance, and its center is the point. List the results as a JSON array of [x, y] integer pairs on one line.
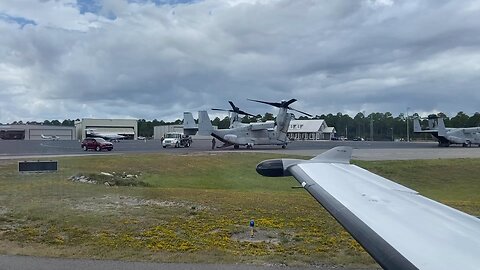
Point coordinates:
[[235, 109], [283, 104]]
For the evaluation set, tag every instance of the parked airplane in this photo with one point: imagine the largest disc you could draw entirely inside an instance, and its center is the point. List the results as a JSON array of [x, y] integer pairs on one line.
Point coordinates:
[[109, 136], [48, 137], [397, 226], [266, 133], [447, 136]]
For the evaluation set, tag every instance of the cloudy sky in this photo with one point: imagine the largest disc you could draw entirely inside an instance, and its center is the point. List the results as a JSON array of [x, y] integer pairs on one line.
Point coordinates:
[[149, 59]]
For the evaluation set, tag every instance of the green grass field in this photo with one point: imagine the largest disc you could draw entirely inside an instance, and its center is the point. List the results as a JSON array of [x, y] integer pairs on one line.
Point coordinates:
[[197, 208]]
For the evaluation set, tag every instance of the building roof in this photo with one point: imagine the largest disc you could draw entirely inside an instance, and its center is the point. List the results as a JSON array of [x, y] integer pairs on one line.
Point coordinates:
[[306, 125], [329, 130], [30, 126]]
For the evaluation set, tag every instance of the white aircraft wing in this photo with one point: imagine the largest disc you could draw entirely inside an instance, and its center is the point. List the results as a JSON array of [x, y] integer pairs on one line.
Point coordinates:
[[398, 227]]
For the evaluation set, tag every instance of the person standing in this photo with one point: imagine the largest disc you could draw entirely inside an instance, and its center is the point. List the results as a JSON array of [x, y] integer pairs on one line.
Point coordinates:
[[213, 143], [252, 228]]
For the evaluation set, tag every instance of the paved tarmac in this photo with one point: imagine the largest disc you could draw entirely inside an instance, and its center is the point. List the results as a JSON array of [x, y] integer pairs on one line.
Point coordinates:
[[362, 150]]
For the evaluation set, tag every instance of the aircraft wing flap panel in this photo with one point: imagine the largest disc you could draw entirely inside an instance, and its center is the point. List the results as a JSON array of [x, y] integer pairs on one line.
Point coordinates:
[[392, 221]]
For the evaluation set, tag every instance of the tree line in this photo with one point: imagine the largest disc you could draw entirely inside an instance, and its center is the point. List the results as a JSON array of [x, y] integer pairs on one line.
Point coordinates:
[[382, 126]]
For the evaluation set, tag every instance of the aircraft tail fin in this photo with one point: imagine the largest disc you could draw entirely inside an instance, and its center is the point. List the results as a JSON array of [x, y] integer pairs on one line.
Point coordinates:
[[189, 126], [204, 125], [442, 131], [416, 125]]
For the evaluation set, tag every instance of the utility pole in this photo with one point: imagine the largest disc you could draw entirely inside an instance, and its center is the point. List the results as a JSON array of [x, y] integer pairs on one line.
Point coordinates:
[[364, 131], [371, 127], [408, 130], [392, 134]]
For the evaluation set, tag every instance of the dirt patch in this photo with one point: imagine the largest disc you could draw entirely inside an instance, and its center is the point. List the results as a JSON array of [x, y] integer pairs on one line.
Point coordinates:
[[108, 203], [259, 236], [109, 179]]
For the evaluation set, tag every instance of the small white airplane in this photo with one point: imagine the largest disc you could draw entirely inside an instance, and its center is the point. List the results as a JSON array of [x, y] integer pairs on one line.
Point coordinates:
[[108, 136], [50, 137], [397, 226], [448, 136]]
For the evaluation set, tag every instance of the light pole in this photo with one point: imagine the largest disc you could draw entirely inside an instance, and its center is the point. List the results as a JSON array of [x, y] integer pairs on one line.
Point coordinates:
[[392, 133], [408, 130]]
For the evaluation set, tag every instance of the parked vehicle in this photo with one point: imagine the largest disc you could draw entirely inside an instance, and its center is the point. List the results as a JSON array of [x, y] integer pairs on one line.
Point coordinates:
[[176, 139], [97, 144]]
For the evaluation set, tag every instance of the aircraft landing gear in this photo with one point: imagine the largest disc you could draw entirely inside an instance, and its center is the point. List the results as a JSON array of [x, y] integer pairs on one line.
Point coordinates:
[[467, 143], [249, 146], [284, 146], [236, 146]]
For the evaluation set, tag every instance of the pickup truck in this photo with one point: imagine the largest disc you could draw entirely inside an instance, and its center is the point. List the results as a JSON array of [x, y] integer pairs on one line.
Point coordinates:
[[176, 139]]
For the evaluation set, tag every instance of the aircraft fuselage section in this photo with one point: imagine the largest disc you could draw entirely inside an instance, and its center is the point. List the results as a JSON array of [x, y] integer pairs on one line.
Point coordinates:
[[249, 135]]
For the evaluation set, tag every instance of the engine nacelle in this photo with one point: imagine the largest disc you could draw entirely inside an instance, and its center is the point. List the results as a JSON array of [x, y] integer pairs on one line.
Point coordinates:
[[277, 167]]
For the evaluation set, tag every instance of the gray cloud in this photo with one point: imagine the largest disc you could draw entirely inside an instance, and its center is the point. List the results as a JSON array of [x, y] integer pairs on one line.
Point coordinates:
[[147, 60]]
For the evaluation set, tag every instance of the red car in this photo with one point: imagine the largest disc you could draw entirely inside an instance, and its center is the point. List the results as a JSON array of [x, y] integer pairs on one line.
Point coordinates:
[[98, 144]]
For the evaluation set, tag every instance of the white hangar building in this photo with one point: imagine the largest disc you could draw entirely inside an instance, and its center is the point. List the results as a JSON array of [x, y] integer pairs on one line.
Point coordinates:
[[159, 131], [124, 127], [35, 132], [310, 130]]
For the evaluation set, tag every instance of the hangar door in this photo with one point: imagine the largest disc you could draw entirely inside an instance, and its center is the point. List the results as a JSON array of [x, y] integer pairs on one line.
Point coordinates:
[[9, 134], [63, 134]]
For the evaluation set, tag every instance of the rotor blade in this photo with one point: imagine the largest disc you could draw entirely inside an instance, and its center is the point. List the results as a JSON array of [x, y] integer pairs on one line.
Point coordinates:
[[300, 111], [290, 101], [235, 108], [274, 104], [223, 110], [245, 113]]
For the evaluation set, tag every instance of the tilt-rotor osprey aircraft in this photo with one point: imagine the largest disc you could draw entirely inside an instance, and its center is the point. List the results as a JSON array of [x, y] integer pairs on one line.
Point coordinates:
[[397, 226], [447, 136], [267, 133]]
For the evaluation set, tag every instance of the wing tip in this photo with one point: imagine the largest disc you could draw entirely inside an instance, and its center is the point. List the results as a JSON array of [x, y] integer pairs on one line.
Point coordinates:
[[339, 154]]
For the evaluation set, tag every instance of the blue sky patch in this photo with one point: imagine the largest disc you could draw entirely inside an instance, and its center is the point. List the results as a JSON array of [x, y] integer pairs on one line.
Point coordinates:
[[90, 6], [18, 20]]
